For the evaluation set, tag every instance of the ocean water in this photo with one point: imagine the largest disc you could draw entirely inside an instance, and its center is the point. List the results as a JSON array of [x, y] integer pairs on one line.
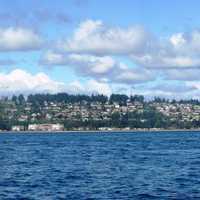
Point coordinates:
[[117, 166]]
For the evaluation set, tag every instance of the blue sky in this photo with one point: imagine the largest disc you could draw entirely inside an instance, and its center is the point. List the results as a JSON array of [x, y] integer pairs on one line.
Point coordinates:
[[148, 47]]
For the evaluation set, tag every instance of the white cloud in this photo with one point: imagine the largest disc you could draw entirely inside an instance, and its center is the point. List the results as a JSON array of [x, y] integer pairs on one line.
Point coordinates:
[[180, 50], [97, 65], [94, 37], [19, 39], [100, 68], [85, 64], [186, 43], [20, 81], [177, 39], [52, 58], [99, 52], [166, 61]]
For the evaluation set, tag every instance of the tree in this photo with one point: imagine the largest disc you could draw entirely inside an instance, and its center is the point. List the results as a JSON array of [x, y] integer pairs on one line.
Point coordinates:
[[21, 99], [14, 99], [115, 119], [139, 98], [118, 98]]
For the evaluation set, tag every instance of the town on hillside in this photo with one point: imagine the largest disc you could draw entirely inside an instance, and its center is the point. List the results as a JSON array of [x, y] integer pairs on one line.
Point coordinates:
[[62, 112]]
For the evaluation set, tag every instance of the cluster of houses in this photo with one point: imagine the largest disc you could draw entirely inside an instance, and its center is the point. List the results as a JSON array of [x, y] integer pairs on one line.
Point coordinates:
[[77, 111], [50, 116], [182, 112]]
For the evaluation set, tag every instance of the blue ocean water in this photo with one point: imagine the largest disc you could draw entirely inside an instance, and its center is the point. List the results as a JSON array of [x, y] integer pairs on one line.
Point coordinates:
[[117, 166]]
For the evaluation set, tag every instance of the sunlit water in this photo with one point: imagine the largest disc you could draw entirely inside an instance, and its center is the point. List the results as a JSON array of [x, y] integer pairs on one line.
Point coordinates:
[[117, 166]]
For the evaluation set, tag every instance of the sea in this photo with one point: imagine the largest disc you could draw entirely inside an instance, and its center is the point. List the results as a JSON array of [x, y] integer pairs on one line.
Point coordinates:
[[100, 166]]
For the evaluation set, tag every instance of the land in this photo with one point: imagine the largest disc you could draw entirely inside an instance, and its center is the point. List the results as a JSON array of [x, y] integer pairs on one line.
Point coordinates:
[[64, 112]]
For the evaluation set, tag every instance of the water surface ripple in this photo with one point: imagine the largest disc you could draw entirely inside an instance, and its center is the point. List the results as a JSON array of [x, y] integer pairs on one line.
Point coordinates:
[[100, 166]]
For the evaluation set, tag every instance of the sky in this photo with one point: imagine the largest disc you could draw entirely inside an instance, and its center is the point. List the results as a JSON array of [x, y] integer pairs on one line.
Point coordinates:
[[145, 47]]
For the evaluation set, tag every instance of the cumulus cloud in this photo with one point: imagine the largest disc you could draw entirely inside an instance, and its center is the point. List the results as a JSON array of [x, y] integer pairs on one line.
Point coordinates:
[[104, 67], [143, 47], [19, 39], [186, 43], [99, 52], [85, 64], [94, 37], [20, 81], [180, 50]]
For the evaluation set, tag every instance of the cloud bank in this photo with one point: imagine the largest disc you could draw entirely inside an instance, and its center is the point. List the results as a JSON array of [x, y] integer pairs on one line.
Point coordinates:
[[106, 57], [20, 81]]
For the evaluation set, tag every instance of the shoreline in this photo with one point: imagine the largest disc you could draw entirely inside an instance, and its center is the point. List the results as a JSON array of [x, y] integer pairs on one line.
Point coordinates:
[[106, 131]]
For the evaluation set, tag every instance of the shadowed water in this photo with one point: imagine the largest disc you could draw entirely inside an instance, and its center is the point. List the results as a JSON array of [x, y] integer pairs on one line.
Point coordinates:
[[117, 166]]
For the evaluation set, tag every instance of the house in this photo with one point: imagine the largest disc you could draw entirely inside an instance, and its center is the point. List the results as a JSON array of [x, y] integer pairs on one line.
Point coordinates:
[[18, 128], [46, 127]]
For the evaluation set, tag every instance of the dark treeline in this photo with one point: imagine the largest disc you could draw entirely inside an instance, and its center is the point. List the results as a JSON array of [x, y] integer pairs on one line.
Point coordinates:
[[174, 101], [65, 98], [70, 98]]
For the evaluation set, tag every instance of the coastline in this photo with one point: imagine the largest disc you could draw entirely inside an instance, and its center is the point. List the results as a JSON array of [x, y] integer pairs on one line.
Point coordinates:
[[105, 131]]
